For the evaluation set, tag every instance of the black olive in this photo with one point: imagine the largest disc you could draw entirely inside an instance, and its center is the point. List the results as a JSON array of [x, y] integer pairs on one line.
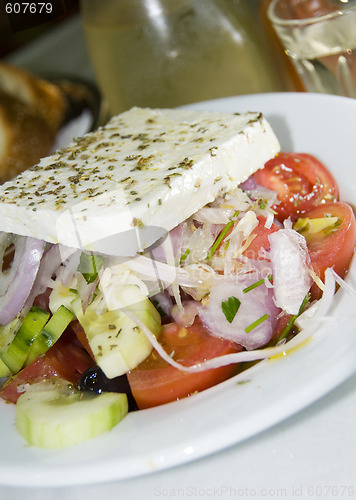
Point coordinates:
[[95, 380]]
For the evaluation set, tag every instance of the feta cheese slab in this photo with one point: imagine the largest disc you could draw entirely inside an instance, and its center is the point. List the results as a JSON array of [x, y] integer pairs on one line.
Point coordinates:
[[137, 177]]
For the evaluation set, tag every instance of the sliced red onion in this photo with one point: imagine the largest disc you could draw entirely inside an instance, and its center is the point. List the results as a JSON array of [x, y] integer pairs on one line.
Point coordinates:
[[291, 278], [319, 309], [16, 282], [185, 316], [269, 220], [164, 301], [50, 262], [254, 304], [86, 291], [172, 239], [200, 243], [244, 227], [249, 184], [214, 215], [150, 269], [70, 260], [246, 356], [189, 276], [227, 359]]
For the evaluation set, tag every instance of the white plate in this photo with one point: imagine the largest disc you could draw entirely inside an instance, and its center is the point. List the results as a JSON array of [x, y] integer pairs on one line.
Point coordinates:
[[179, 432]]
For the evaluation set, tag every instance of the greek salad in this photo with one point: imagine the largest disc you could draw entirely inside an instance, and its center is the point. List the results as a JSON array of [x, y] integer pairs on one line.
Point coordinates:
[[87, 337]]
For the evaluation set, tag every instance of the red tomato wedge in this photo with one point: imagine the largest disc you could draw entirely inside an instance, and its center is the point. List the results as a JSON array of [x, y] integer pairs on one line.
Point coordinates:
[[301, 182], [65, 359], [82, 337], [154, 382], [42, 300], [334, 246], [260, 240]]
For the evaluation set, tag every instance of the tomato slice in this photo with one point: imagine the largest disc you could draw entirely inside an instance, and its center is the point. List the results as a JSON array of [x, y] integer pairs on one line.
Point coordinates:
[[261, 239], [154, 382], [333, 247], [82, 337], [260, 233], [65, 359], [301, 182], [42, 300]]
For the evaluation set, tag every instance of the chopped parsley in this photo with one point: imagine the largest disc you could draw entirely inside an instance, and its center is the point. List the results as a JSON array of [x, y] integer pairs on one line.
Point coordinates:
[[292, 319], [185, 255], [256, 323], [221, 236], [230, 307], [256, 284]]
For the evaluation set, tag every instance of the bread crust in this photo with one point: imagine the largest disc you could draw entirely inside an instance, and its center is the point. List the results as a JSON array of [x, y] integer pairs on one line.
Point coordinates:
[[24, 137], [32, 111], [45, 98]]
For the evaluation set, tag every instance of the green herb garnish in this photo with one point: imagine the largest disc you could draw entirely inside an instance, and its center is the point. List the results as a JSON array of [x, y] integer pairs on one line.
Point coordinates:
[[221, 236], [185, 255], [255, 285], [89, 266], [290, 323], [256, 323], [230, 307]]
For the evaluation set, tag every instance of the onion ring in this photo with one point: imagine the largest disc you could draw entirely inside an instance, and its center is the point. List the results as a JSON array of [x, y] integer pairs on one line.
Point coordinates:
[[17, 280]]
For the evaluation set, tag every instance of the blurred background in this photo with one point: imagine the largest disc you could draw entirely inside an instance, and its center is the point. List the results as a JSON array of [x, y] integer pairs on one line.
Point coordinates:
[[99, 58], [252, 61], [14, 35]]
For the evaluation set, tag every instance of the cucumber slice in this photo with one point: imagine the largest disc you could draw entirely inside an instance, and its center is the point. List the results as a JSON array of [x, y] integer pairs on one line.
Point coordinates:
[[50, 333], [7, 334], [59, 417], [4, 370], [15, 355], [118, 344], [61, 296]]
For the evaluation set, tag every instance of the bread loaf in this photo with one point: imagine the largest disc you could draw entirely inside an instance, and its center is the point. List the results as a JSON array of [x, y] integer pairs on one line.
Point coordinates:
[[24, 137], [45, 98], [32, 111]]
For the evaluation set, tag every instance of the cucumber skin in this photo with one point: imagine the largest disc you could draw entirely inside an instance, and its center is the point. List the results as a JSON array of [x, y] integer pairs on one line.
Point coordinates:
[[50, 333], [8, 332], [15, 356], [4, 370], [123, 348], [7, 335], [50, 419]]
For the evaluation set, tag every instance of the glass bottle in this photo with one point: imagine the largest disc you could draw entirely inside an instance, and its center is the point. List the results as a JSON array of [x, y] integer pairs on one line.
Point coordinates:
[[166, 53]]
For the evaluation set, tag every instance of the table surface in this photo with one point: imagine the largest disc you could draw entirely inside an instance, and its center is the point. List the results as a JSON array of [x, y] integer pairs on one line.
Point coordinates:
[[310, 455]]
